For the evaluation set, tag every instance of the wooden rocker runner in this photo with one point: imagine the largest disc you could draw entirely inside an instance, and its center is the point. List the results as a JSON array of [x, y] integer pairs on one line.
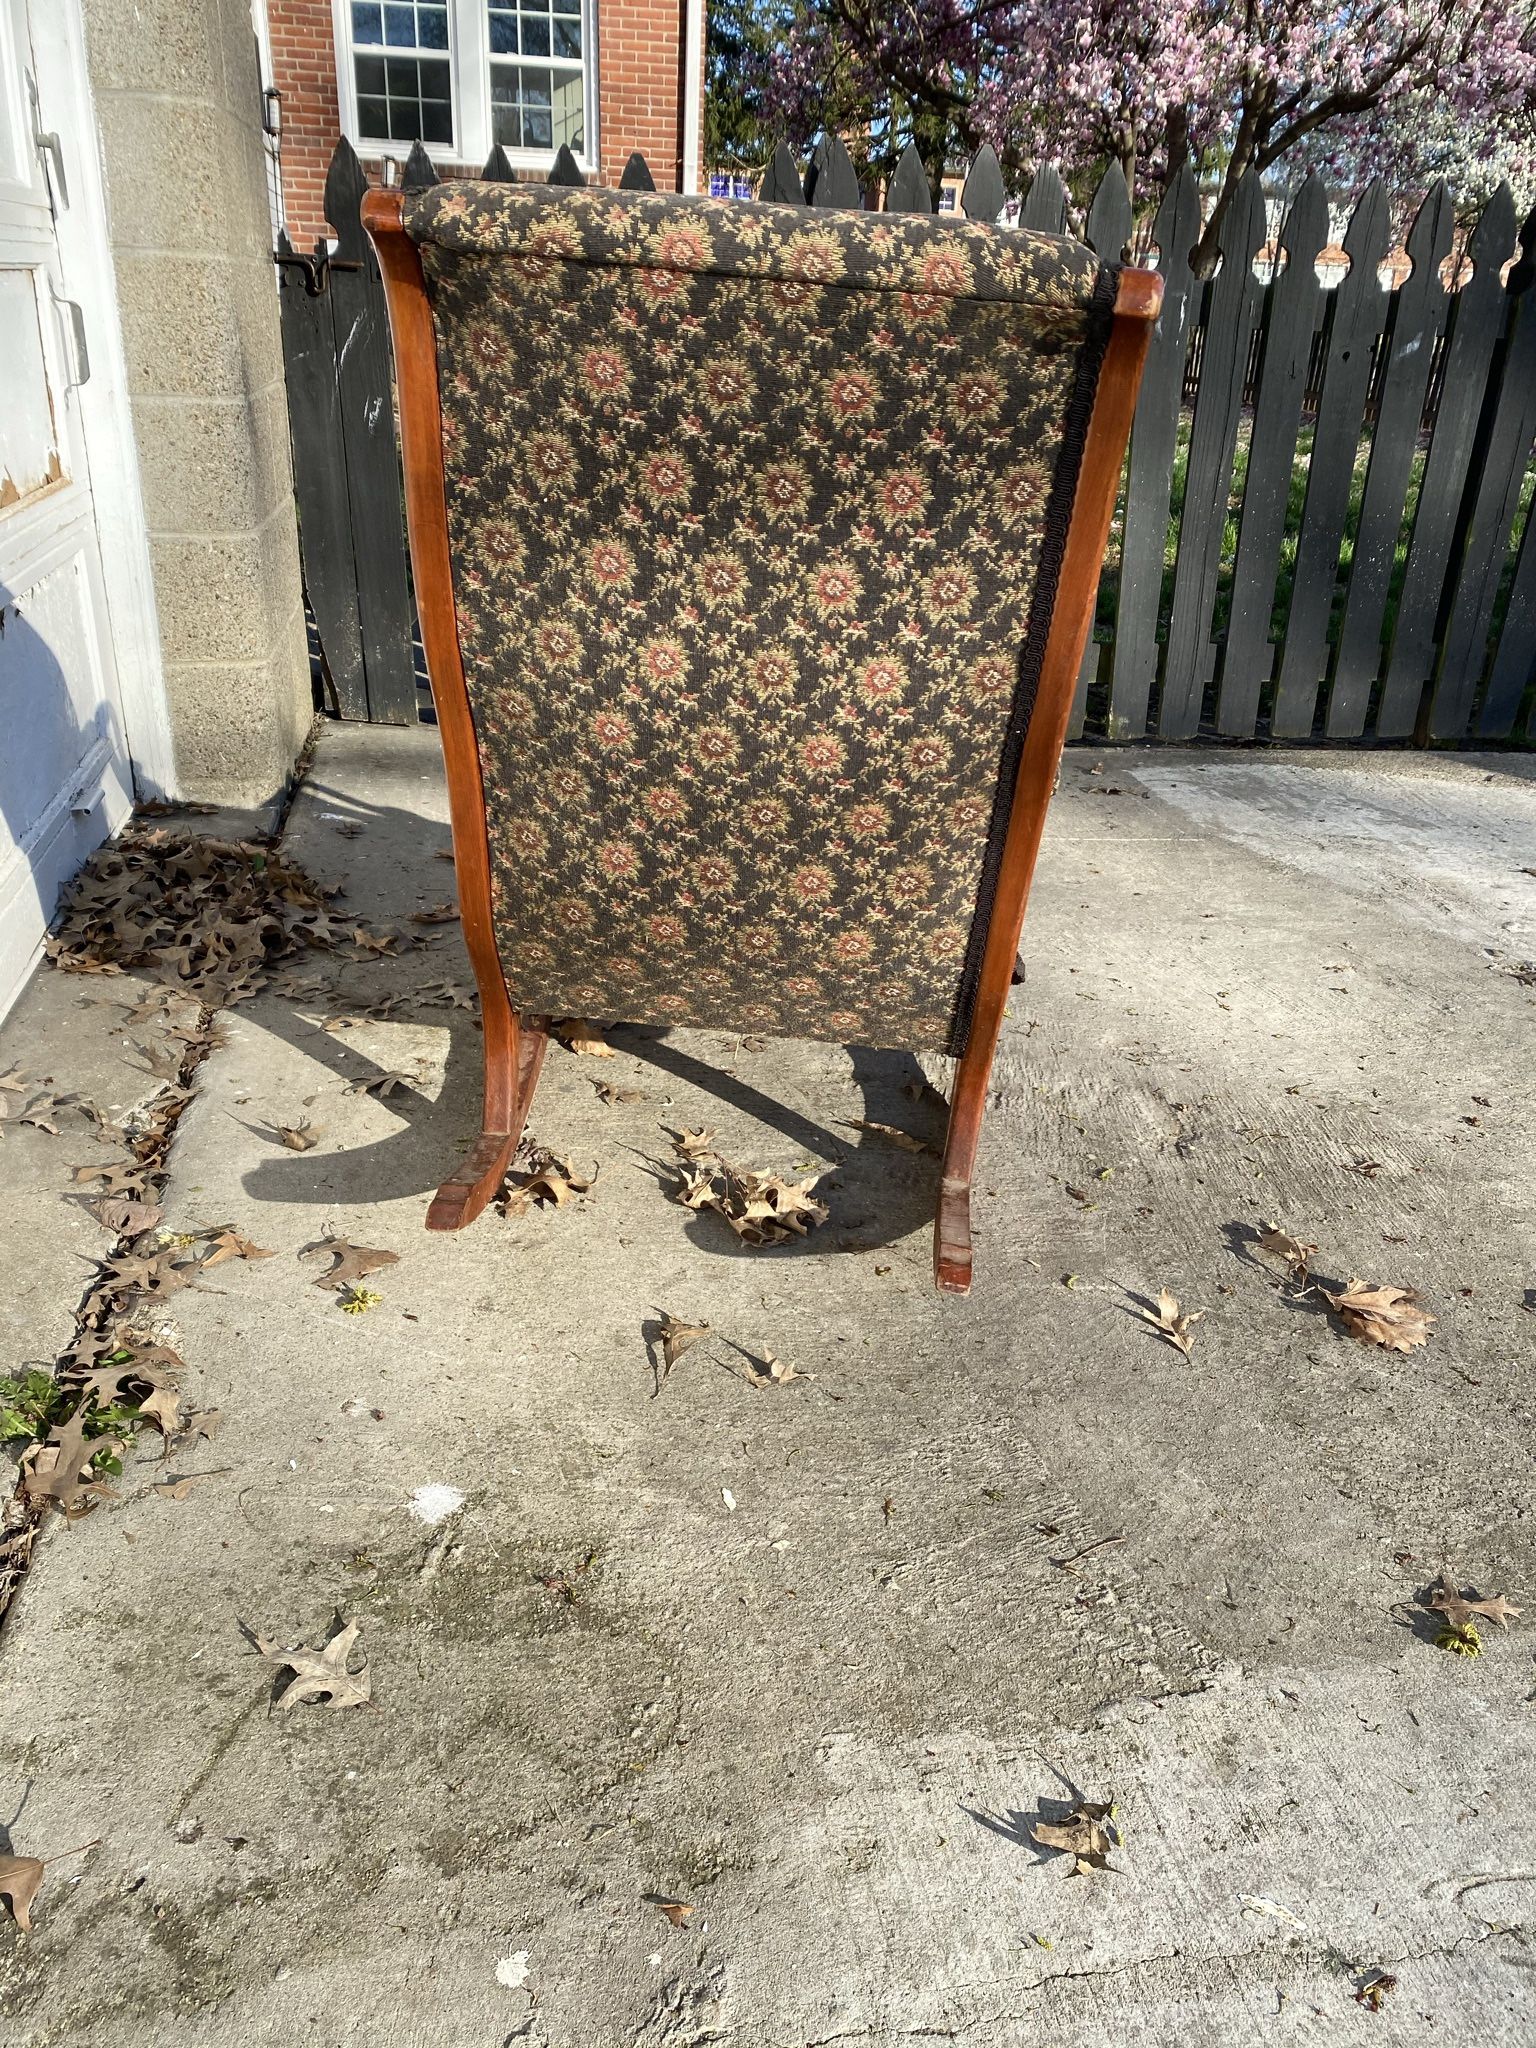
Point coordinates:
[[755, 548]]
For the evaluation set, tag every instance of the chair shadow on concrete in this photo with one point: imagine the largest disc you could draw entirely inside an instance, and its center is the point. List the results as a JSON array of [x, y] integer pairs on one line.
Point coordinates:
[[879, 1192]]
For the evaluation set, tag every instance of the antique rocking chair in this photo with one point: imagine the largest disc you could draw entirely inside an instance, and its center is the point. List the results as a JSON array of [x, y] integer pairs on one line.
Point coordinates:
[[755, 549]]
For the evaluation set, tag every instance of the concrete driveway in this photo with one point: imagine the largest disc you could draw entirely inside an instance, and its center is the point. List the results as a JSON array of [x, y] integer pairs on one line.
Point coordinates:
[[808, 1661]]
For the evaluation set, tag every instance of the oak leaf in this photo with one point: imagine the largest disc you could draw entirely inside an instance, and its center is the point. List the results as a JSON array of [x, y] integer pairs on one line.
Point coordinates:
[[693, 1144], [677, 1337], [1459, 1608], [383, 1084], [318, 1674], [894, 1136], [1170, 1321], [550, 1185], [60, 1471], [1388, 1316], [227, 1243], [300, 1137], [1281, 1245], [351, 1262], [676, 1910], [1082, 1836]]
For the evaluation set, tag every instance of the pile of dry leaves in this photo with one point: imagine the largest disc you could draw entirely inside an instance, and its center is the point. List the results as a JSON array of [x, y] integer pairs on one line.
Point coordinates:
[[762, 1208], [207, 916]]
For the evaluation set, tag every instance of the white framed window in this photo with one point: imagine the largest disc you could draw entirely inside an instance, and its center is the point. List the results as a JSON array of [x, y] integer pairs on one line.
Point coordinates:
[[461, 76]]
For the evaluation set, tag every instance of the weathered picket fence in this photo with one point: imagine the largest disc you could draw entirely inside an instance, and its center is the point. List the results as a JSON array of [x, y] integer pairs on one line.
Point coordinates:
[[1322, 533]]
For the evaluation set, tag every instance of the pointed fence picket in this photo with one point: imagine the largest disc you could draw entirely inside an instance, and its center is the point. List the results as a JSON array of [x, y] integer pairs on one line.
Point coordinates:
[[1323, 531]]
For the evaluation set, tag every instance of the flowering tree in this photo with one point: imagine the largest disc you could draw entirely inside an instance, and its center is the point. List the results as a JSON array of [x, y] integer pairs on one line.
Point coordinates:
[[1410, 89]]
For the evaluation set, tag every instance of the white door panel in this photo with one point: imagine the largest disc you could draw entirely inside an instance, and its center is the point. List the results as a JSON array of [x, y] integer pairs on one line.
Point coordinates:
[[65, 783]]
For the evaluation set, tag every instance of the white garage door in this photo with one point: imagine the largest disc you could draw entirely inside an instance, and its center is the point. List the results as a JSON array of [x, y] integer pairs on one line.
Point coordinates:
[[65, 783]]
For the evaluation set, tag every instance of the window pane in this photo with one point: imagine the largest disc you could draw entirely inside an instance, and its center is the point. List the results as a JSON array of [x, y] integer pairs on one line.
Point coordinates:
[[536, 35], [432, 28], [503, 34], [567, 37], [403, 99], [400, 27], [367, 24]]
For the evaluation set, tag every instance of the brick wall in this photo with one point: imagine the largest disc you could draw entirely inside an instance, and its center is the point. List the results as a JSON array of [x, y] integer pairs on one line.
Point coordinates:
[[640, 67], [304, 72], [640, 87]]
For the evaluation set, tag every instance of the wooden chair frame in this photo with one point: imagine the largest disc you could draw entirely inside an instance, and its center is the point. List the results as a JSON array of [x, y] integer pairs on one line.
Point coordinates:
[[515, 1045]]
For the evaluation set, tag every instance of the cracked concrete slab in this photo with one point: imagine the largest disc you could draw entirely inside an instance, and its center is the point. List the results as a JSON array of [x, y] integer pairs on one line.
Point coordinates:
[[812, 1658]]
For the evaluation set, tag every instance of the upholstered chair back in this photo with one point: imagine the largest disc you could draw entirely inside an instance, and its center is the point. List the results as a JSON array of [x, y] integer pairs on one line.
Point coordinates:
[[756, 516]]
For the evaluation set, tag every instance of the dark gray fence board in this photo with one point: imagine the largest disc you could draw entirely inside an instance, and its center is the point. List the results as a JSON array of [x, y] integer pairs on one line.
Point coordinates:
[[1497, 470], [1359, 311], [1291, 317], [1476, 320], [909, 190], [983, 195], [1149, 481], [320, 474], [1107, 232], [363, 385], [1045, 203], [1234, 301], [1417, 320], [1514, 662]]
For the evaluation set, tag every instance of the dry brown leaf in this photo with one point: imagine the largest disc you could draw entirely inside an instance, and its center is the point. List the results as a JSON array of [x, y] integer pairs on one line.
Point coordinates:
[[439, 913], [15, 1080], [1082, 1836], [1459, 1608], [1388, 1316], [1281, 1245], [60, 1471], [384, 1084], [893, 1136], [179, 1488], [375, 942], [769, 1371], [675, 1909], [1170, 1321], [352, 1262], [693, 1144], [201, 1422], [20, 1877], [40, 1112], [676, 1338], [118, 1176], [162, 1406], [609, 1091], [227, 1243], [300, 1137], [550, 1186], [577, 1035], [318, 1674], [120, 1213]]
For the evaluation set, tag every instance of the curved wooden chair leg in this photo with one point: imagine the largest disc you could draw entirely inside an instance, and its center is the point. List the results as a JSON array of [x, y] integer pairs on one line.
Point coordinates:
[[512, 1066]]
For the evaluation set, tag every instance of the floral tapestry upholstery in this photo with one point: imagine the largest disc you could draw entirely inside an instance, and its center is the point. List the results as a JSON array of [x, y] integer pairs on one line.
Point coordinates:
[[756, 514]]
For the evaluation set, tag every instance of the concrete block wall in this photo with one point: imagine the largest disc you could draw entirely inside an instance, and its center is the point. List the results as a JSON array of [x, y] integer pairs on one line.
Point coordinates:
[[178, 107]]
